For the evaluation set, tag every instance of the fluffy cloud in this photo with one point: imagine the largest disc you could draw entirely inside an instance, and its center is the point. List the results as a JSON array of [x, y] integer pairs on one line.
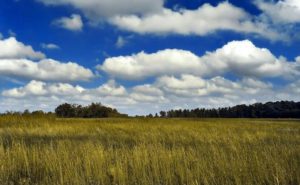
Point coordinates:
[[49, 46], [38, 88], [11, 48], [111, 89], [282, 11], [241, 58], [245, 59], [148, 94], [202, 21], [73, 23], [46, 69], [16, 61], [190, 85], [141, 65], [96, 10]]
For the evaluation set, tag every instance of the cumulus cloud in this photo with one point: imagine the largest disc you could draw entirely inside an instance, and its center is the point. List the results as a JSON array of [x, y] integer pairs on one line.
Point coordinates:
[[241, 58], [38, 88], [141, 65], [96, 10], [205, 20], [46, 69], [190, 85], [50, 46], [111, 89], [11, 48], [20, 60], [73, 23], [282, 11], [148, 94]]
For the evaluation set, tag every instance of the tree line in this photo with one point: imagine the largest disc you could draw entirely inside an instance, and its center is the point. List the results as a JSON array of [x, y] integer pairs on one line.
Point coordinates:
[[66, 110], [280, 109]]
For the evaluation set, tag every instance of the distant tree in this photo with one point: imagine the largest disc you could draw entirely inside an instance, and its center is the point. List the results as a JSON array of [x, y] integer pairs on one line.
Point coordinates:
[[65, 110], [38, 113], [162, 114], [26, 112], [94, 110], [150, 116]]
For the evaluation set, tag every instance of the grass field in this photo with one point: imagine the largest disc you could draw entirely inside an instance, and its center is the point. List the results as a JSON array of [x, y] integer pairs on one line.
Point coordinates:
[[149, 151]]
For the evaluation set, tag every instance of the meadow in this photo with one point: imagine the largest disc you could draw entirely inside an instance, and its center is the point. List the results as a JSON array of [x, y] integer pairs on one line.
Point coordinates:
[[144, 151]]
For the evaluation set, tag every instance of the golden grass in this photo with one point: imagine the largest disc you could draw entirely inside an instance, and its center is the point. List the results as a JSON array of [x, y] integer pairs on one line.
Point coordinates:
[[149, 151]]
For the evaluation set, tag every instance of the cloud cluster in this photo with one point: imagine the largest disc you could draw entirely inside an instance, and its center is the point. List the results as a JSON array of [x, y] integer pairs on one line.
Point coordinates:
[[241, 58], [167, 92], [37, 93], [144, 16], [19, 61], [181, 79], [202, 21], [193, 86]]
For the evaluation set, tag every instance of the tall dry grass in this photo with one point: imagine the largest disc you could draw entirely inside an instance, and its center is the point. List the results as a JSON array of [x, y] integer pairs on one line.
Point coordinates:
[[149, 151]]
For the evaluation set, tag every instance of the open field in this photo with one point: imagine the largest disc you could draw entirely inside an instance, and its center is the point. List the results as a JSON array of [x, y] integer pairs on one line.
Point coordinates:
[[149, 151]]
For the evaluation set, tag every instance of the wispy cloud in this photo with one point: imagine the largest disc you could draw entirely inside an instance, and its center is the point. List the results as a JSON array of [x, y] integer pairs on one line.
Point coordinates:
[[72, 23]]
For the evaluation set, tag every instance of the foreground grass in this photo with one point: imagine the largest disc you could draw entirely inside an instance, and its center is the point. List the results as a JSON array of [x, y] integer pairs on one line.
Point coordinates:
[[149, 151]]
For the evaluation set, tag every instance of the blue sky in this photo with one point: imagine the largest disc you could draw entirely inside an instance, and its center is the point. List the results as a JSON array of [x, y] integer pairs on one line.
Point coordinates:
[[143, 56]]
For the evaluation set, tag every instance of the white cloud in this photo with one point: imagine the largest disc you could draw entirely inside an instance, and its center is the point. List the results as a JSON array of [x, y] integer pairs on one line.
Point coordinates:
[[11, 48], [141, 65], [193, 86], [46, 69], [50, 46], [111, 89], [245, 59], [16, 60], [96, 10], [148, 90], [148, 94], [38, 88], [282, 11], [73, 23], [205, 20], [241, 58]]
